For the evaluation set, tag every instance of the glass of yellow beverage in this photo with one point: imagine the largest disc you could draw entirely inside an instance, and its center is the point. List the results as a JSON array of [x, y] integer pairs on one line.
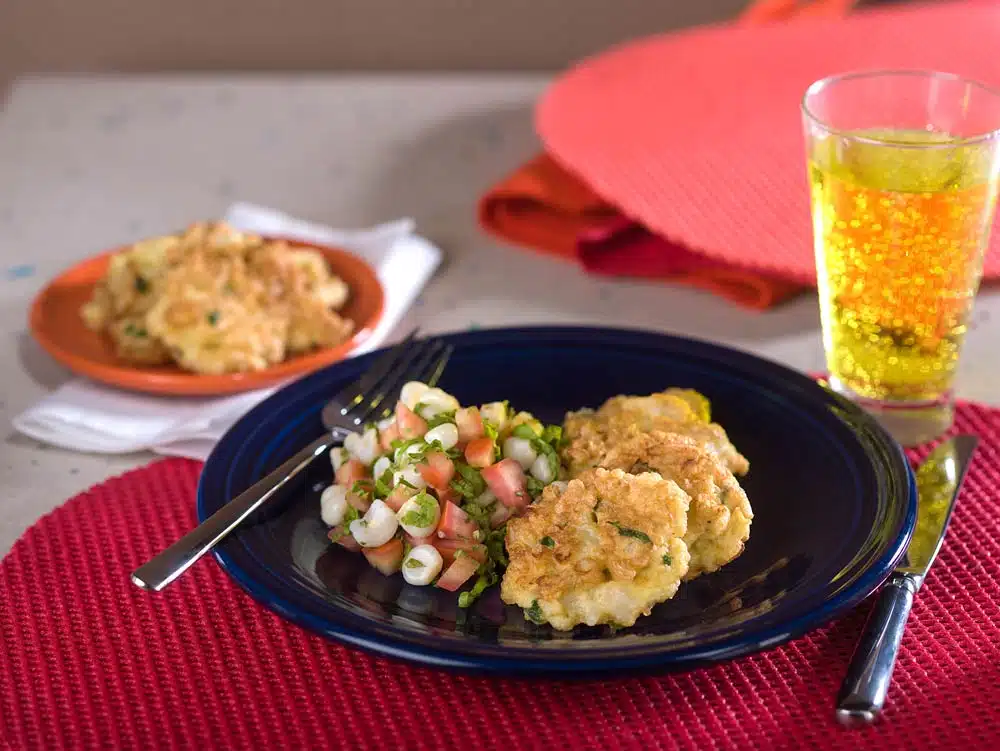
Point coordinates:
[[903, 173]]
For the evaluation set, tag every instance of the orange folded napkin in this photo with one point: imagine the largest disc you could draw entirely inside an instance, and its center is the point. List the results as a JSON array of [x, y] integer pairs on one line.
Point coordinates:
[[544, 207]]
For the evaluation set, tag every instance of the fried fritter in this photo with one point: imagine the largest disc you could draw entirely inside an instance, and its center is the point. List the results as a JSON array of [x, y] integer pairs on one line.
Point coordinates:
[[217, 300], [590, 433], [720, 513], [603, 548]]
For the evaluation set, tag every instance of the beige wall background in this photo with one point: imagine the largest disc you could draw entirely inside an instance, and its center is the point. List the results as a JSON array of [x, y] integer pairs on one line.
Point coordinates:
[[155, 35], [179, 35]]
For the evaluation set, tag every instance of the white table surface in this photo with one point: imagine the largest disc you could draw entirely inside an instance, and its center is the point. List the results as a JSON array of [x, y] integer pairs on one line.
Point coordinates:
[[88, 163]]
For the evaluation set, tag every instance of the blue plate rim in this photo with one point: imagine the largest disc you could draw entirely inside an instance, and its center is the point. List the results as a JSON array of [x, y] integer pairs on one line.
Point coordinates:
[[522, 661]]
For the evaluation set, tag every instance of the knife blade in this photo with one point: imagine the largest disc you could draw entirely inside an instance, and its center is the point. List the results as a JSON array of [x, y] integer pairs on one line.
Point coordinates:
[[939, 479]]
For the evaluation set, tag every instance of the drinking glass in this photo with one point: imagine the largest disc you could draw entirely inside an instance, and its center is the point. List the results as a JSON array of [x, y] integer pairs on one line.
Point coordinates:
[[903, 173]]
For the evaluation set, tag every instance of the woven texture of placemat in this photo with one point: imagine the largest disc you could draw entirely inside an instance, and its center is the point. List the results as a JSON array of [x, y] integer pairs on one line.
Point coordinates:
[[87, 660], [698, 135]]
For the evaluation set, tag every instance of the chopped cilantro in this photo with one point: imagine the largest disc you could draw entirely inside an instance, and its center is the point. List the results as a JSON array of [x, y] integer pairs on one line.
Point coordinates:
[[486, 579], [548, 542], [425, 513], [535, 487], [141, 285], [406, 483], [137, 331], [362, 488], [344, 528], [413, 563], [213, 318], [490, 430], [383, 484], [468, 481], [478, 514], [534, 613], [552, 434], [524, 431], [633, 533], [440, 419], [667, 560]]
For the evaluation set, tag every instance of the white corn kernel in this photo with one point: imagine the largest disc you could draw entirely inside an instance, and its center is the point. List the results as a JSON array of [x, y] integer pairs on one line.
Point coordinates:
[[495, 413], [436, 401], [338, 457], [410, 475], [446, 434], [519, 449], [424, 507], [485, 499], [376, 527], [381, 465], [411, 393], [363, 447], [542, 470], [333, 505], [422, 565]]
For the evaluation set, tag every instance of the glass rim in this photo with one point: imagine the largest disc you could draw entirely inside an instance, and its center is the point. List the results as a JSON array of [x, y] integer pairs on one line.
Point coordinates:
[[823, 83]]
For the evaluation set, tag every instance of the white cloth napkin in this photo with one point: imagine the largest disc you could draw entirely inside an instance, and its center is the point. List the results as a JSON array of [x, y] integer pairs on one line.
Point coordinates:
[[85, 416]]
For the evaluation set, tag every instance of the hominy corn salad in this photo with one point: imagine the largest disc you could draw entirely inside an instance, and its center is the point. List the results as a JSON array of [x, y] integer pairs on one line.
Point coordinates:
[[429, 490]]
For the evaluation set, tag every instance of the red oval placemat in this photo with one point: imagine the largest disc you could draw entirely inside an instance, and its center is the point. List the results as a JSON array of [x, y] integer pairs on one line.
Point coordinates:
[[89, 661], [698, 135]]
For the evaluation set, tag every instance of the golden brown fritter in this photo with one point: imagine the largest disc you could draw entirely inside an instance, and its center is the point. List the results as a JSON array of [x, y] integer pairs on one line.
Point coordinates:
[[720, 513], [603, 548], [216, 300], [590, 434]]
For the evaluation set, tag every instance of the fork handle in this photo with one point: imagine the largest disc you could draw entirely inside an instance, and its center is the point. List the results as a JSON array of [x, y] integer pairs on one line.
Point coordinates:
[[867, 682], [162, 569]]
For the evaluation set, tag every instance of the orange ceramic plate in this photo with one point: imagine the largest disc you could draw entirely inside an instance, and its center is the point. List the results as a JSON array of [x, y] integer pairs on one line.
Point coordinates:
[[56, 324]]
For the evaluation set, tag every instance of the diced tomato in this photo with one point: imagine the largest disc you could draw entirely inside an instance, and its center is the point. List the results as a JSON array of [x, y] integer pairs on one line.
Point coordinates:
[[349, 542], [386, 558], [409, 423], [448, 495], [455, 524], [458, 573], [500, 514], [387, 436], [507, 481], [399, 495], [414, 541], [350, 472], [470, 424], [448, 548], [480, 452], [437, 469]]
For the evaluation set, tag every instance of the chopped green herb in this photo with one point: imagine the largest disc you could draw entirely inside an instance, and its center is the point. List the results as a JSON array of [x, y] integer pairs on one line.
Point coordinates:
[[213, 318], [468, 481], [535, 487], [534, 613], [552, 434], [667, 560], [495, 547], [141, 285], [440, 419], [383, 484], [548, 542], [479, 514], [344, 528], [406, 483], [424, 514], [413, 563], [524, 431], [362, 488], [490, 430], [633, 533], [137, 331]]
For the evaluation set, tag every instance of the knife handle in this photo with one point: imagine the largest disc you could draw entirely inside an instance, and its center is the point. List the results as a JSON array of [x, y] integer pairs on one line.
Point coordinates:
[[867, 682]]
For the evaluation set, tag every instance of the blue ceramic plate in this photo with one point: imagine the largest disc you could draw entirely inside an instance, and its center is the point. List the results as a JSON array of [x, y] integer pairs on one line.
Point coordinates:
[[832, 494]]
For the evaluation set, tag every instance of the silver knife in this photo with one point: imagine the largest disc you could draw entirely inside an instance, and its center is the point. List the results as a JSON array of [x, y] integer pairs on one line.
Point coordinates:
[[939, 479]]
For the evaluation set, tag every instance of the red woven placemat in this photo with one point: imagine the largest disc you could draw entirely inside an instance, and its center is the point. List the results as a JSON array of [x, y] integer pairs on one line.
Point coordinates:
[[88, 660], [698, 135]]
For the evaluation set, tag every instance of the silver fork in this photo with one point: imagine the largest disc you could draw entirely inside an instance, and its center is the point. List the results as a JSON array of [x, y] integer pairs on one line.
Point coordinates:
[[371, 397]]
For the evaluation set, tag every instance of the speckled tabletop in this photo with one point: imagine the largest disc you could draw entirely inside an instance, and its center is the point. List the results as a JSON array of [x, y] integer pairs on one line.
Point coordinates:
[[88, 163]]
